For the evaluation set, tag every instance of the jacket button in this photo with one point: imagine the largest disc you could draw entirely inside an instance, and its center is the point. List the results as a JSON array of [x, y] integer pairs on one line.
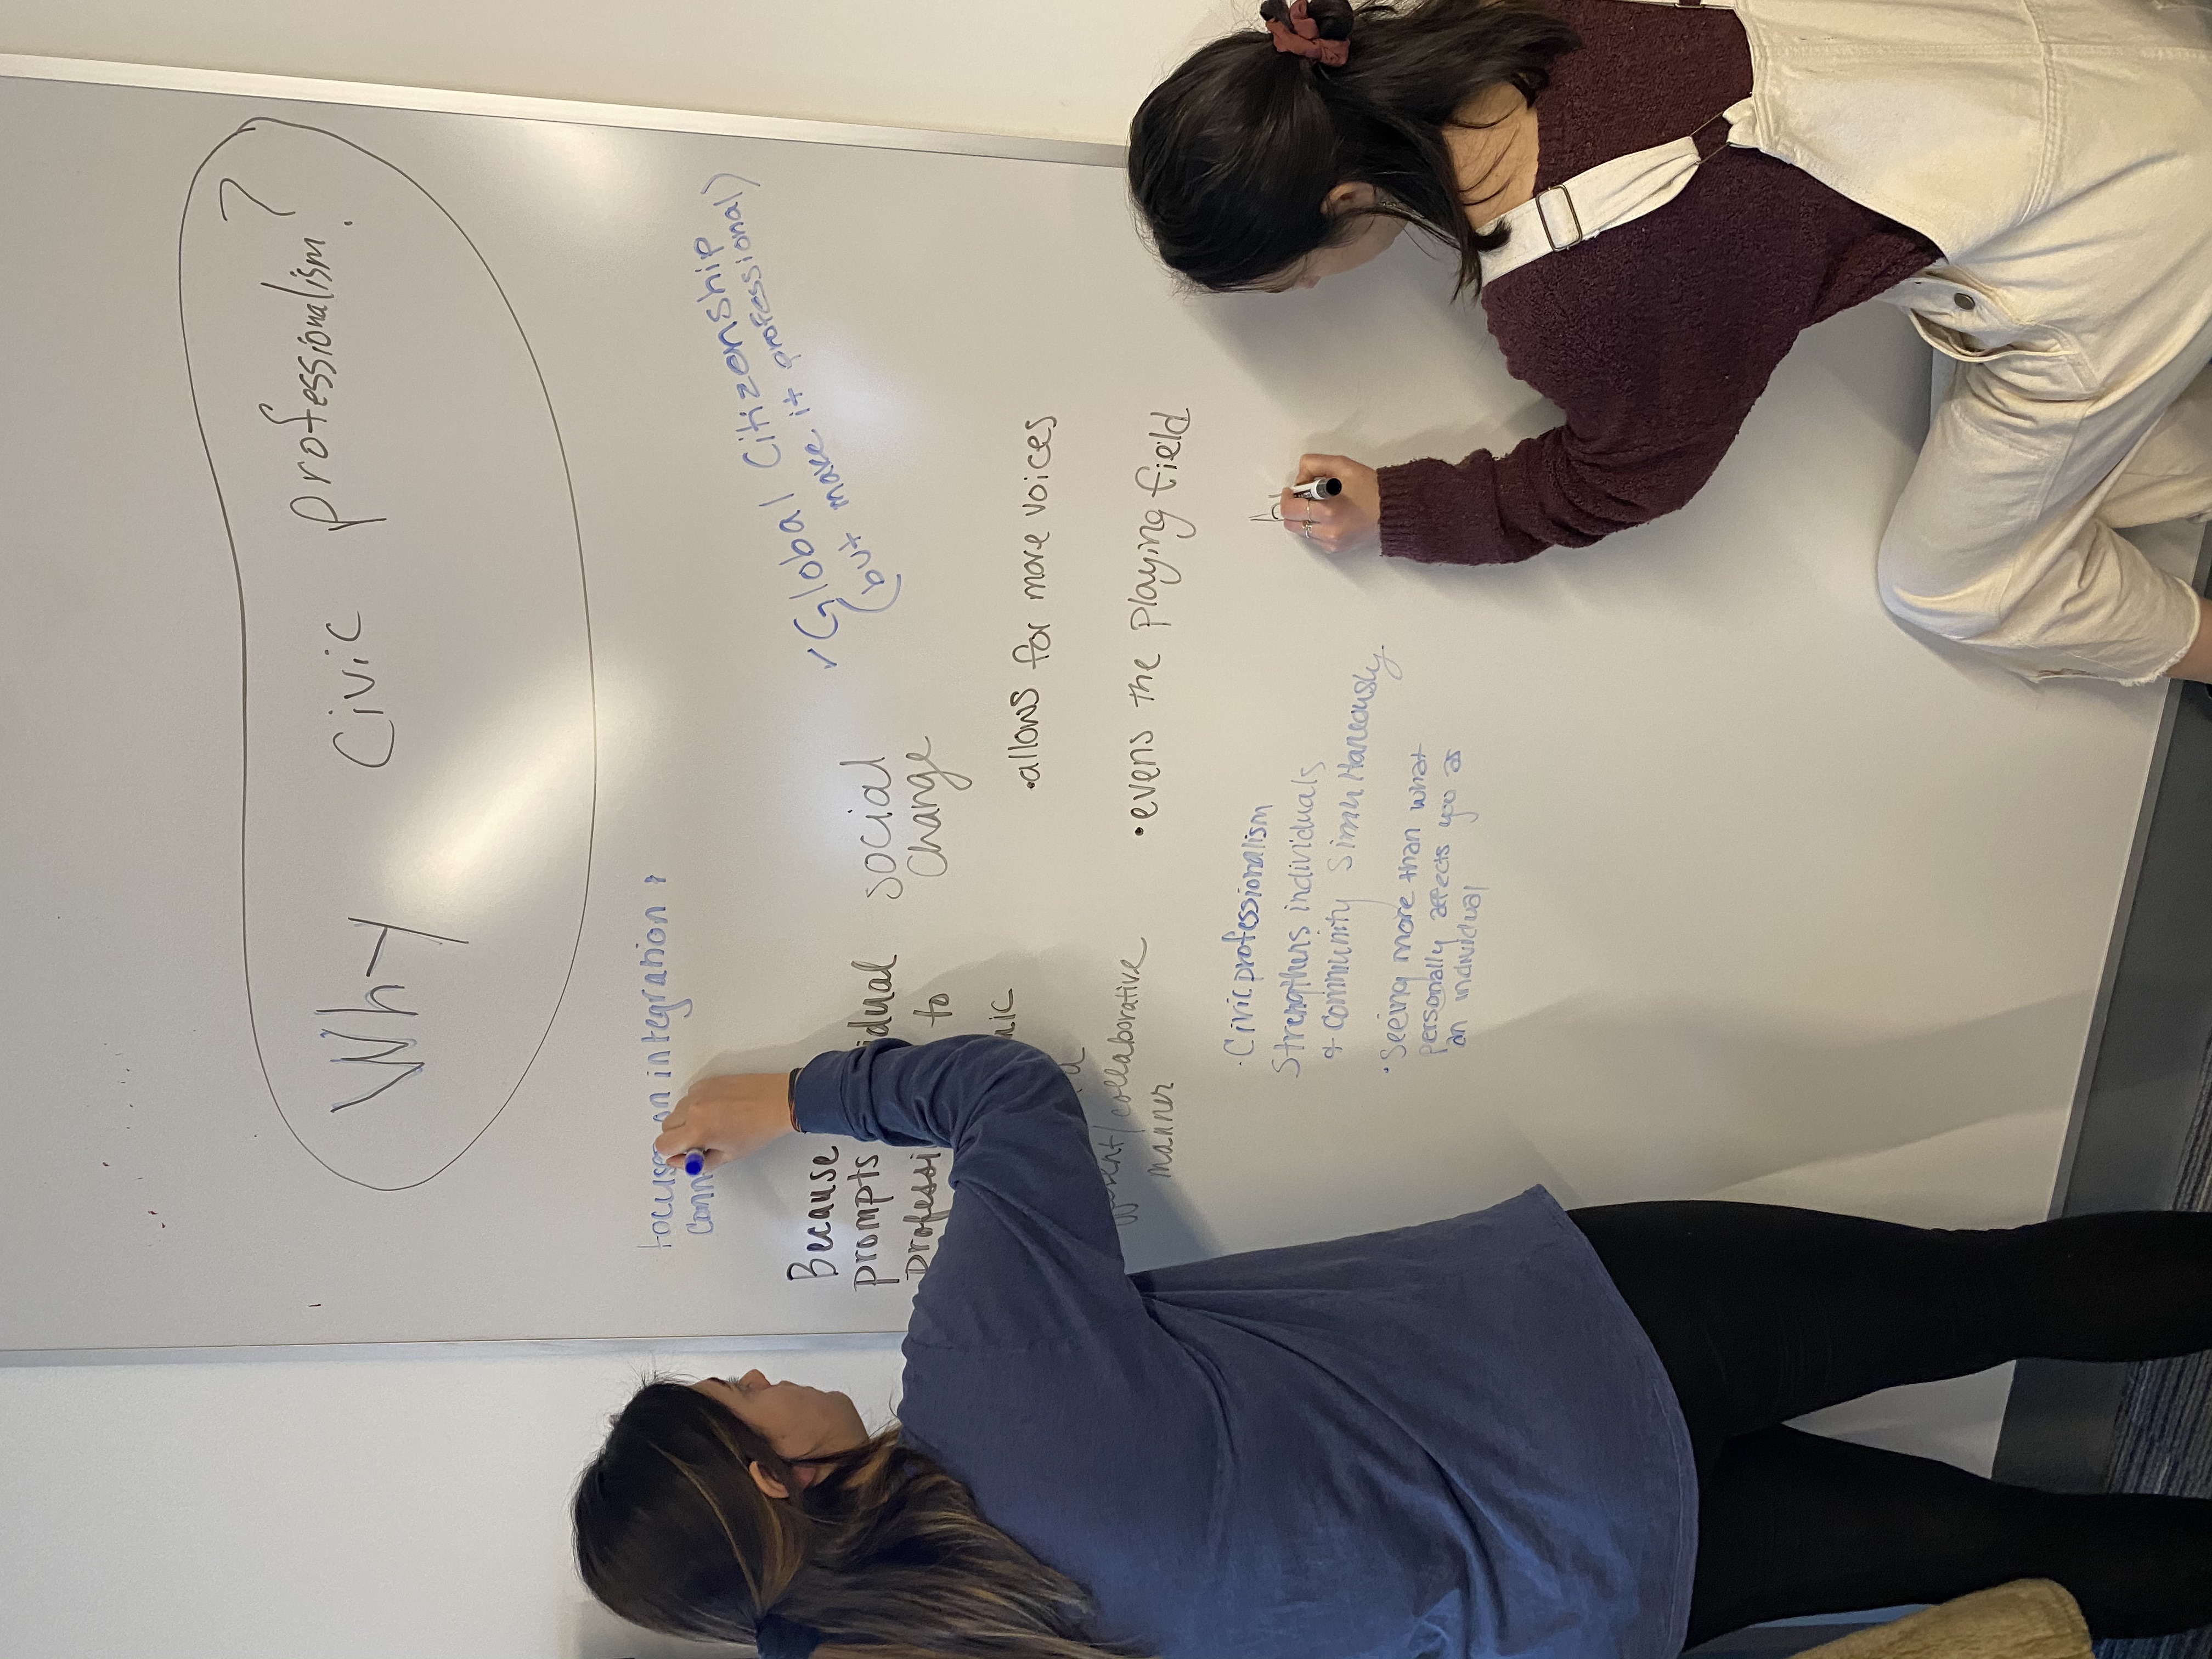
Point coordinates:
[[1963, 299]]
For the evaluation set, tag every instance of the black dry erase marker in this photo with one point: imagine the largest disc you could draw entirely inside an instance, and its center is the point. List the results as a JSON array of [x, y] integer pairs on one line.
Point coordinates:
[[1319, 490]]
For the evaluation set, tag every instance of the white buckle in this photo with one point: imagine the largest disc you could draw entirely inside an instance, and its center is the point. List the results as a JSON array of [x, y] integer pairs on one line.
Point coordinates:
[[1544, 218]]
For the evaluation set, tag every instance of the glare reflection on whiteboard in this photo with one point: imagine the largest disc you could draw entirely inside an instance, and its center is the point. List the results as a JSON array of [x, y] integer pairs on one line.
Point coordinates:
[[487, 820]]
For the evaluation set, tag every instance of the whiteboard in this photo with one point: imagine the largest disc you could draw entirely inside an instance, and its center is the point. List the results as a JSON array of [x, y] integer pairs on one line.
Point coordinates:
[[603, 684]]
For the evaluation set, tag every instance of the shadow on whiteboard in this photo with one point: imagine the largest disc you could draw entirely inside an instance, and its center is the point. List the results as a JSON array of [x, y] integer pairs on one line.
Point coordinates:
[[1347, 358], [1651, 1100]]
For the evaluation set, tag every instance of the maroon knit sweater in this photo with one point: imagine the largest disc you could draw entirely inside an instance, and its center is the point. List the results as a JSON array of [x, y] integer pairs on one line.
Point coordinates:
[[1654, 337]]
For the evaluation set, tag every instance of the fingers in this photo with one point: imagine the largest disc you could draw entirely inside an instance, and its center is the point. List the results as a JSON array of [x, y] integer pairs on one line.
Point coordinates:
[[1323, 466], [724, 1118], [1327, 525], [678, 1132], [675, 1141], [671, 1143], [1343, 520]]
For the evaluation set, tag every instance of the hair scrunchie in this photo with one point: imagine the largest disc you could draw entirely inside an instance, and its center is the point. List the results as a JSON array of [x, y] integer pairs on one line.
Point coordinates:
[[1326, 39], [778, 1638]]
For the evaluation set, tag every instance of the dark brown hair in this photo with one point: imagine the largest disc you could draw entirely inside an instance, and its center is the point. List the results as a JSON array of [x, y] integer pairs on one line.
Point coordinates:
[[885, 1553], [1231, 157]]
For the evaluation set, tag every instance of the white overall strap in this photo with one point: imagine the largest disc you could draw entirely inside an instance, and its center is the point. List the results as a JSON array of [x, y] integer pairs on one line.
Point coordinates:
[[1606, 197]]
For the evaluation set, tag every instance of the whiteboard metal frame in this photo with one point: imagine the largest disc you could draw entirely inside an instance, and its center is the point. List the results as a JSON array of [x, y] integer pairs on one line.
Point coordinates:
[[447, 100], [2135, 1171]]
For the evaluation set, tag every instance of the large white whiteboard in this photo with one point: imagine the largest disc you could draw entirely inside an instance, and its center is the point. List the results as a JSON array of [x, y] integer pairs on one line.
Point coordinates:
[[1666, 868]]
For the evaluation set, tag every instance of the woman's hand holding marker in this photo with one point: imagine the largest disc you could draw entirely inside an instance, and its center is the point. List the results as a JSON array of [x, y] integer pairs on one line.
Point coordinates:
[[1338, 521], [722, 1118]]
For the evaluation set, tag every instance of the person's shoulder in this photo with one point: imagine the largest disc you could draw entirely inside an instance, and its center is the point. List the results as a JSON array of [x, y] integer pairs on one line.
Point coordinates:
[[1645, 75]]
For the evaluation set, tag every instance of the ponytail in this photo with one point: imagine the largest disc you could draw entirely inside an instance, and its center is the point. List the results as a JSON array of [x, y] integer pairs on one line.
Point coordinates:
[[883, 1556], [1232, 156]]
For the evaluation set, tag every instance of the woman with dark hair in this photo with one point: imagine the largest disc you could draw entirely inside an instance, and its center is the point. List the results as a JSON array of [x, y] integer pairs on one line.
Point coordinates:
[[1517, 1432], [2031, 181]]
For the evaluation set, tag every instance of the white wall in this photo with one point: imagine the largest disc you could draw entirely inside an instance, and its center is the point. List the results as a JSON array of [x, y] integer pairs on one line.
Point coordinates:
[[362, 1507], [377, 1506]]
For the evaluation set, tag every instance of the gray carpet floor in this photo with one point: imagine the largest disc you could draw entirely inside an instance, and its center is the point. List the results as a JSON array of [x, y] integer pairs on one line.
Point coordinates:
[[2163, 1441]]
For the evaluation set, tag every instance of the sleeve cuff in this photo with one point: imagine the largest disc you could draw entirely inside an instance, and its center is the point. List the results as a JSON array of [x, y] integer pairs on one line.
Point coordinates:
[[1418, 512], [817, 1096], [1435, 512]]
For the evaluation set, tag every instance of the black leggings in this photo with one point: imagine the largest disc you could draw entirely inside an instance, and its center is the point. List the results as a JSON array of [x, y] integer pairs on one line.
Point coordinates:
[[1762, 1314]]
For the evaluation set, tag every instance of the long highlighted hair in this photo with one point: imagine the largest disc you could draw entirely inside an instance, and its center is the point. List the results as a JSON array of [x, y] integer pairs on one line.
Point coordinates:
[[1231, 157], [884, 1553]]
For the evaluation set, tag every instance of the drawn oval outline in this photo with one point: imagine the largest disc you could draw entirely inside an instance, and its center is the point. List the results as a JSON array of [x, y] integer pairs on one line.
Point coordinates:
[[420, 776]]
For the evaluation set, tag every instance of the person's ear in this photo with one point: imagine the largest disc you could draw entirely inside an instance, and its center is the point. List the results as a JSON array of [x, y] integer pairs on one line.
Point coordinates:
[[767, 1482], [1353, 196]]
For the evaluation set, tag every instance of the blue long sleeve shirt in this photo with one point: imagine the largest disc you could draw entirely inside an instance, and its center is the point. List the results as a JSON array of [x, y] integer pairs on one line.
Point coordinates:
[[1451, 1439]]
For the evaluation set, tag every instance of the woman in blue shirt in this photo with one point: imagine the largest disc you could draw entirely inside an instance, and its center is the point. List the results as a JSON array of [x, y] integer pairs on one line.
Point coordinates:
[[1517, 1432]]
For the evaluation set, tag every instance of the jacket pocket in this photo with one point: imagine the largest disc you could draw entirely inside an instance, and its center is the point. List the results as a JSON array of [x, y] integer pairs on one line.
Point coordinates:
[[1965, 321]]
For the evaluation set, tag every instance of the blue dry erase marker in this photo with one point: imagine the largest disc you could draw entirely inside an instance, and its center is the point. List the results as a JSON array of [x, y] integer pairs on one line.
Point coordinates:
[[693, 1162]]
